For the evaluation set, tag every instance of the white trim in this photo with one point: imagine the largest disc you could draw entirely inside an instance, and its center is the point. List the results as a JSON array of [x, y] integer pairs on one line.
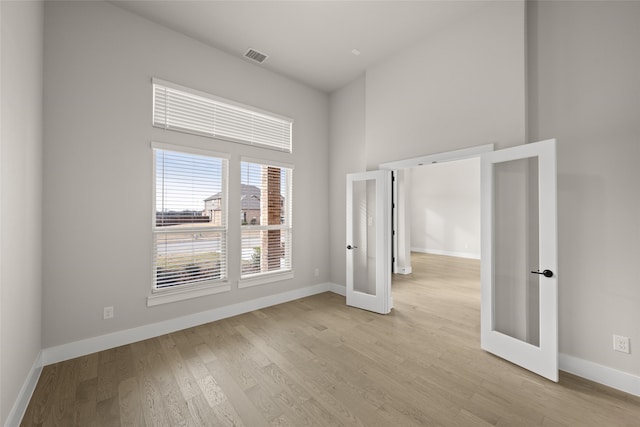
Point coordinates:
[[250, 227], [26, 392], [601, 374], [405, 270], [103, 342], [265, 162], [211, 228], [264, 278], [464, 153], [189, 149], [338, 289], [183, 292], [469, 255], [394, 221]]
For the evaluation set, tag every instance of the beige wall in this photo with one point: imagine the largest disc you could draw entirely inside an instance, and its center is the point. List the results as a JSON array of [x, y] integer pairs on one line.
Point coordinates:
[[99, 61], [584, 63], [20, 196]]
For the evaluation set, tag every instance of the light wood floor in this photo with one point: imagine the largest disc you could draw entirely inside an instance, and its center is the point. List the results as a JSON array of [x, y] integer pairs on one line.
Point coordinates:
[[317, 362]]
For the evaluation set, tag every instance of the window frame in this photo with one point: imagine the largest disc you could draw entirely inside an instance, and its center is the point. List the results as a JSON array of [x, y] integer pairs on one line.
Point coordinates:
[[196, 289], [255, 279]]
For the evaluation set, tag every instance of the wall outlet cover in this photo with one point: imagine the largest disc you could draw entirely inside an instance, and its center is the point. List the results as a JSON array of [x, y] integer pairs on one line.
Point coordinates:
[[108, 313], [621, 344]]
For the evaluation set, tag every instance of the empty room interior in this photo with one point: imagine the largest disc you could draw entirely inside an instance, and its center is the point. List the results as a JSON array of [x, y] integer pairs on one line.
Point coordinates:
[[319, 213]]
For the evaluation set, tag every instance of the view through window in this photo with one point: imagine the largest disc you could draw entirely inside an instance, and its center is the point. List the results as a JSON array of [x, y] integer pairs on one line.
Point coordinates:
[[266, 218], [190, 226]]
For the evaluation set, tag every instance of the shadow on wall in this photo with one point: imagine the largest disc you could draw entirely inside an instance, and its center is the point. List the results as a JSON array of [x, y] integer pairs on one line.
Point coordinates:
[[586, 225]]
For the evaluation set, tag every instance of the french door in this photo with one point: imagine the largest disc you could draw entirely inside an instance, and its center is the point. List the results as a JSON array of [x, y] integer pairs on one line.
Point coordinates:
[[519, 276], [368, 246]]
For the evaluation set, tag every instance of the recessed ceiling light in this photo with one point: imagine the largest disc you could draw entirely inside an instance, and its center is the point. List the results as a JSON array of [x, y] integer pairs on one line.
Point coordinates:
[[356, 52]]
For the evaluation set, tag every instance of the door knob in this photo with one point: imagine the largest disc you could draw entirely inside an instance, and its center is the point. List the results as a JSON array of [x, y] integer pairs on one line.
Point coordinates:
[[545, 273], [351, 247]]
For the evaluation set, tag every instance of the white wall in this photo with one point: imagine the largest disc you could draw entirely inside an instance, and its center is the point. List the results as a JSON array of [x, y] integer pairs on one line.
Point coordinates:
[[99, 61], [20, 196], [347, 145], [460, 87], [584, 89], [445, 208]]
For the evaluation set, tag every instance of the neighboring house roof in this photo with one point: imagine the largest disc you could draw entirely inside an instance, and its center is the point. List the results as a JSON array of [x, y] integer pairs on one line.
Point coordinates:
[[250, 197]]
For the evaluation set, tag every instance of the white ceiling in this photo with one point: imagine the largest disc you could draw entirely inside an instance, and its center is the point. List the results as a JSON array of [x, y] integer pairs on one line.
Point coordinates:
[[309, 41]]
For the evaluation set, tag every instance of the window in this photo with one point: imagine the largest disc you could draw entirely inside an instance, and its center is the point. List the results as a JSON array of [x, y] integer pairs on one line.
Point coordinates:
[[190, 218], [265, 204], [186, 110]]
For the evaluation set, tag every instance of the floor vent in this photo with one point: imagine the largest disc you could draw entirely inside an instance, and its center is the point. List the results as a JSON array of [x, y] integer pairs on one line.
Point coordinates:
[[255, 56]]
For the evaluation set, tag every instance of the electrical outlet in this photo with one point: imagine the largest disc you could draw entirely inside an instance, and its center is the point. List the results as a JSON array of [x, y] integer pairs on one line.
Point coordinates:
[[621, 344], [316, 272], [108, 312]]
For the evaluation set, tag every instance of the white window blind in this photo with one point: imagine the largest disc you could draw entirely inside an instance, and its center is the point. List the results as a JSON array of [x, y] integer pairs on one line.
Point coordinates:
[[190, 220], [186, 110], [266, 200]]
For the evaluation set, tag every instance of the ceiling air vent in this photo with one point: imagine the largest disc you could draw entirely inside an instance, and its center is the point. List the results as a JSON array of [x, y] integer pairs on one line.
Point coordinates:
[[255, 56]]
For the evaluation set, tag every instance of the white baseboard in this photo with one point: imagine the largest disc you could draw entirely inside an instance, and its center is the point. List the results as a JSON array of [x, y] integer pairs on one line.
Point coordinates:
[[604, 375], [22, 401], [91, 345], [470, 255], [338, 289]]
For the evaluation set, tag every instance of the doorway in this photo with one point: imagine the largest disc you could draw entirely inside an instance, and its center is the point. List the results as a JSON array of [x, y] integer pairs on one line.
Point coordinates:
[[440, 277], [443, 209]]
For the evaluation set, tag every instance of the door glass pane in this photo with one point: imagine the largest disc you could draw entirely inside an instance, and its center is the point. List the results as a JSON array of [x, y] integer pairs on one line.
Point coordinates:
[[364, 236], [516, 289]]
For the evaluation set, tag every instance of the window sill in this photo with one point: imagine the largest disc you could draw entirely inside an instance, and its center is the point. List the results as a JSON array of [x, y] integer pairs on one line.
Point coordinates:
[[263, 279], [173, 295]]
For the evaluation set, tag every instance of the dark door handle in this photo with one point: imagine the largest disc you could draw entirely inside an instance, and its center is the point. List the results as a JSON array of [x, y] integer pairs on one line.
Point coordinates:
[[351, 247], [545, 273]]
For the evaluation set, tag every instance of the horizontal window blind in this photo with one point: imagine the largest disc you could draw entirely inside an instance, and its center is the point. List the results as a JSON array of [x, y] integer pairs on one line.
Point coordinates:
[[181, 109], [266, 236], [190, 222], [183, 258]]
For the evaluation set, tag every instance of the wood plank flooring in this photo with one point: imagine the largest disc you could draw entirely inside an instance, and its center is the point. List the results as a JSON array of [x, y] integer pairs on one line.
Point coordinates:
[[316, 361]]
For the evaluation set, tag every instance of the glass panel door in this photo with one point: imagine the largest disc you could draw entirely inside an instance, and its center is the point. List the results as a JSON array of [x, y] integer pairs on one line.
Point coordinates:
[[519, 319], [368, 245]]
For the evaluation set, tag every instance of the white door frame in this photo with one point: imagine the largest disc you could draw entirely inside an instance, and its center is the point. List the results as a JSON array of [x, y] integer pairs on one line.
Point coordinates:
[[448, 156]]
